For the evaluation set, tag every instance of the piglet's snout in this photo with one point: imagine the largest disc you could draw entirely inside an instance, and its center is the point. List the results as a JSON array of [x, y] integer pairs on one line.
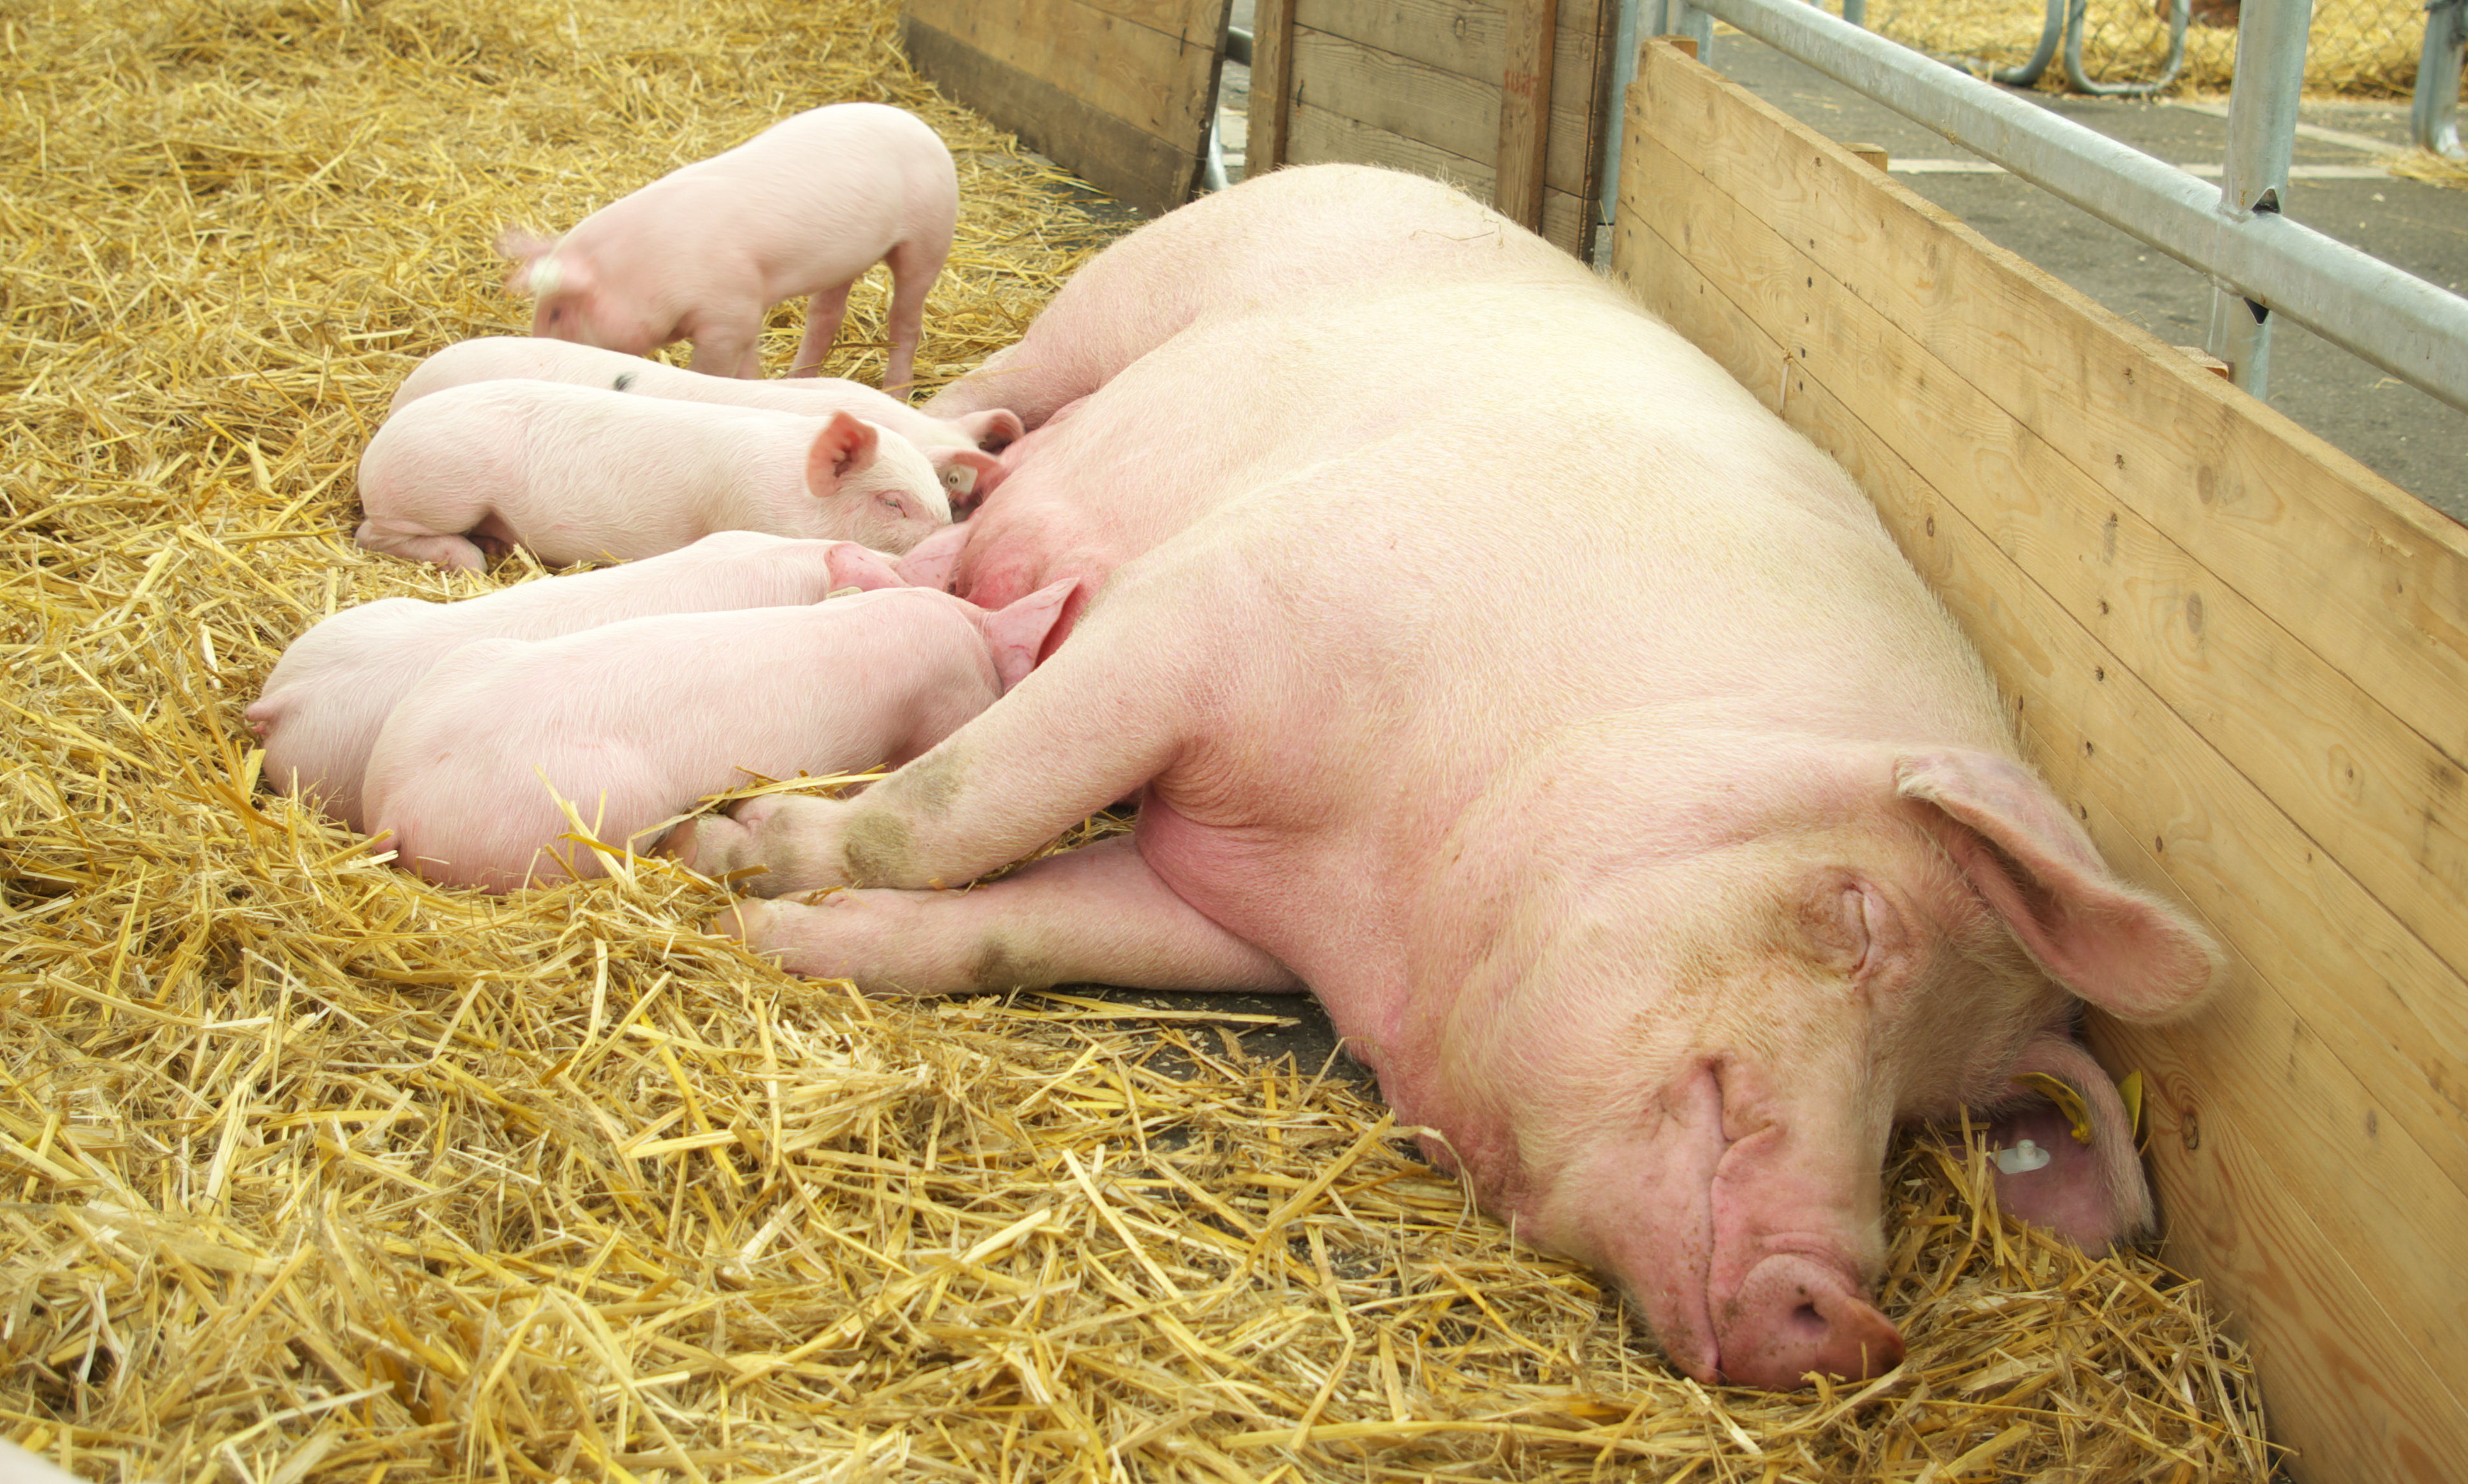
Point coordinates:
[[1794, 1315]]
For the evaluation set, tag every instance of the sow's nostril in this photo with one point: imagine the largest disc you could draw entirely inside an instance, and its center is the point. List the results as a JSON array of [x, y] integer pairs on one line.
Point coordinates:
[[1793, 1315]]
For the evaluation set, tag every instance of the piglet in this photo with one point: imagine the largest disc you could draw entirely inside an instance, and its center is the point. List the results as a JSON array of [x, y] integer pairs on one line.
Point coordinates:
[[634, 721], [960, 448], [576, 473], [804, 207], [331, 691]]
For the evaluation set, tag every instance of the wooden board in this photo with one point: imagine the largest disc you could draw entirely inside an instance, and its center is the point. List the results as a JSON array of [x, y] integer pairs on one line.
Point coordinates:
[[1417, 84], [1119, 92], [2233, 651]]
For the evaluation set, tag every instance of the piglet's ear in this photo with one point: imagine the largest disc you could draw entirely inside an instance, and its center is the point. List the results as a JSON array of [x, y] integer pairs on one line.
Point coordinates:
[[968, 477], [2118, 946], [992, 428], [846, 446], [2092, 1193], [525, 248], [1016, 634]]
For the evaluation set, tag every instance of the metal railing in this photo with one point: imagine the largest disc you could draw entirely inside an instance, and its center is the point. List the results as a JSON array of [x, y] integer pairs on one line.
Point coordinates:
[[2261, 264]]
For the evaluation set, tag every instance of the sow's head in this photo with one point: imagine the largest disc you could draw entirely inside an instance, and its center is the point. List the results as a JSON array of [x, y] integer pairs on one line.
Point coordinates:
[[1685, 1070]]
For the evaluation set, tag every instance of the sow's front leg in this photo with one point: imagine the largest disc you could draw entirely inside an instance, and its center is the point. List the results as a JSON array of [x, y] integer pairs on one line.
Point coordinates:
[[1091, 725], [1096, 915]]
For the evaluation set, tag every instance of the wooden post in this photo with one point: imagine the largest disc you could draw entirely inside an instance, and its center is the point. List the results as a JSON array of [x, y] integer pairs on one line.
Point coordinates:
[[1272, 86], [1525, 109]]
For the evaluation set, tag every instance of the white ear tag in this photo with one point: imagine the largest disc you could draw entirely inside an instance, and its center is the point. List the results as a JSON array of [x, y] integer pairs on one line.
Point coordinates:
[[2022, 1158], [546, 275], [960, 479], [842, 592]]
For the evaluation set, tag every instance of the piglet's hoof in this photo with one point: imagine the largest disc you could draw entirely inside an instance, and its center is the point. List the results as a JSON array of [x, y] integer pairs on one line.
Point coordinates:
[[776, 838], [744, 922]]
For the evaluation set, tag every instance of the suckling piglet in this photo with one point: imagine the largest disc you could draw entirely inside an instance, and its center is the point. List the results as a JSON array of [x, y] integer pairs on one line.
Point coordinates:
[[335, 686], [633, 722], [576, 473]]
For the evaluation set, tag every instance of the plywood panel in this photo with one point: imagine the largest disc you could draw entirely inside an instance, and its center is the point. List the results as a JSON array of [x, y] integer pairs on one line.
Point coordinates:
[[2326, 1208], [1120, 92]]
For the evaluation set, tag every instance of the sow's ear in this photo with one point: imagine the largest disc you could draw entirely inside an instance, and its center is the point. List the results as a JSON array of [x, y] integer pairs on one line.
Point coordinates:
[[2072, 1172], [2120, 947]]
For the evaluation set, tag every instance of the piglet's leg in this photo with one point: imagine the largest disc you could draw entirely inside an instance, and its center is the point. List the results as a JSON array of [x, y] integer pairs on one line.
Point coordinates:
[[914, 267], [1097, 915], [823, 315], [415, 542], [727, 342]]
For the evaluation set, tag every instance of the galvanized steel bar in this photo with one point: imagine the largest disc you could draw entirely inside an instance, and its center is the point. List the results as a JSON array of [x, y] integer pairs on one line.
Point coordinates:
[[2180, 15], [2253, 177], [2434, 110], [2402, 324]]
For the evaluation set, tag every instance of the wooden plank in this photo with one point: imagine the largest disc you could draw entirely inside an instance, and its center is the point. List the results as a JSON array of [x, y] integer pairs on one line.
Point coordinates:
[[1465, 37], [1524, 110], [1318, 136], [2360, 572], [1459, 114], [1272, 70], [1119, 91], [2341, 1377], [2321, 1318]]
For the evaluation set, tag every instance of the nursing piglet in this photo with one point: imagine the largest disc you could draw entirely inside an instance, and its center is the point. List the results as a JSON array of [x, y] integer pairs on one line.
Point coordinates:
[[804, 207], [576, 473], [958, 448], [319, 713], [636, 721]]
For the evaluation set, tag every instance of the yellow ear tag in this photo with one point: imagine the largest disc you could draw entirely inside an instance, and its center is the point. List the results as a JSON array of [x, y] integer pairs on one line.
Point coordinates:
[[2130, 1091], [2069, 1102]]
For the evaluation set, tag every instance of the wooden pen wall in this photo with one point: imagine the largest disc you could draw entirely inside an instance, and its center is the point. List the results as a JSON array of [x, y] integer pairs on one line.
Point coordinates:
[[1470, 93], [2240, 655], [1119, 92]]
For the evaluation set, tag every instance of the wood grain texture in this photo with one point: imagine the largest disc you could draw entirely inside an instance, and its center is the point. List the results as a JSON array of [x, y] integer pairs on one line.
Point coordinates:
[[1273, 85], [2192, 737], [1430, 75], [1120, 92], [1524, 110], [1457, 114]]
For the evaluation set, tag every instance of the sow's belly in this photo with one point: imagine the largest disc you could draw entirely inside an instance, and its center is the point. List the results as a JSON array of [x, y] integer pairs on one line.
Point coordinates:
[[1311, 900]]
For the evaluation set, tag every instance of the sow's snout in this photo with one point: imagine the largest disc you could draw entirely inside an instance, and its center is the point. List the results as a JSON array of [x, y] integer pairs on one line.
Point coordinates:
[[1795, 1315]]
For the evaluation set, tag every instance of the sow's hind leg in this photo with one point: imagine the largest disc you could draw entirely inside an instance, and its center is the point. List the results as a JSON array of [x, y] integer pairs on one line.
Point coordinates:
[[1095, 915]]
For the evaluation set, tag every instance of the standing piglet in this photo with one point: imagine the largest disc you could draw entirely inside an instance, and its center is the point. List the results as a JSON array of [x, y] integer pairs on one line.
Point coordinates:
[[958, 447], [319, 713], [576, 473], [634, 721], [804, 207]]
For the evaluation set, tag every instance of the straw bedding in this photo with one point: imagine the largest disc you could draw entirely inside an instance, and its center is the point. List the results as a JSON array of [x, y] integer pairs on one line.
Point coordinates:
[[310, 1171]]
